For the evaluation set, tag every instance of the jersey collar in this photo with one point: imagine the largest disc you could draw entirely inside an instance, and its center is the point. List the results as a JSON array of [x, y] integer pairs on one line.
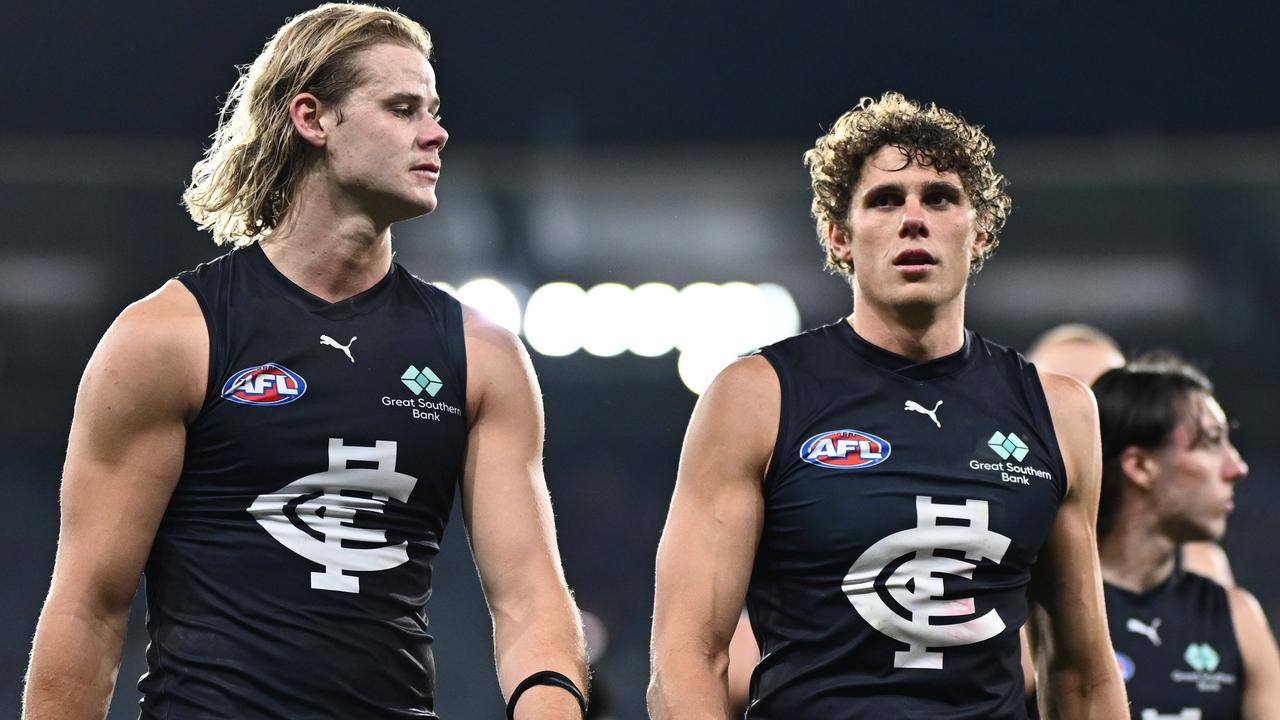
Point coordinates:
[[904, 366], [349, 307]]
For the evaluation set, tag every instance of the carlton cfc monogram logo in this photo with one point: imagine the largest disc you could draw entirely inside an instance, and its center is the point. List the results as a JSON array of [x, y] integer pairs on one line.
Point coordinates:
[[314, 518], [916, 587]]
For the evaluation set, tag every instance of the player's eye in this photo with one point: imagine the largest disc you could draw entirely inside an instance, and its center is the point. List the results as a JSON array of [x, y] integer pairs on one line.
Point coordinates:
[[402, 110], [884, 200]]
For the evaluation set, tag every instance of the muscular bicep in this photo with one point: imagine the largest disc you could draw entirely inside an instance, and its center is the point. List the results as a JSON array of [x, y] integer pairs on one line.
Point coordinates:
[[717, 510], [504, 495], [125, 451]]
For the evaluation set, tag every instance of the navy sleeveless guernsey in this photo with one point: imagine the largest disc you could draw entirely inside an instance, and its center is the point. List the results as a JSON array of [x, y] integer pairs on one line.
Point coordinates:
[[289, 574], [1177, 651], [904, 507]]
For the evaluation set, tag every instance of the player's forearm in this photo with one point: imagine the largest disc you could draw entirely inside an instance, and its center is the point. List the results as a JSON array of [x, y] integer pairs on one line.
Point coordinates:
[[690, 685], [73, 665], [540, 636], [1084, 694]]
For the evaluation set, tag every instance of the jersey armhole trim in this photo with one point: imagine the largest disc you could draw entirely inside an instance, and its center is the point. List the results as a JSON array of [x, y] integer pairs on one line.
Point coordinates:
[[455, 343], [1036, 388], [211, 382], [784, 395]]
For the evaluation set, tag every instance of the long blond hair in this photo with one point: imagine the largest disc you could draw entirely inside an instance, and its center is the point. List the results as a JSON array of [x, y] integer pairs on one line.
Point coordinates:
[[243, 186]]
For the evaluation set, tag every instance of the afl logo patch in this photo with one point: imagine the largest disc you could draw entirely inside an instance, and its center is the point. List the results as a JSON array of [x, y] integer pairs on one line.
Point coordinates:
[[1126, 666], [845, 450], [269, 384]]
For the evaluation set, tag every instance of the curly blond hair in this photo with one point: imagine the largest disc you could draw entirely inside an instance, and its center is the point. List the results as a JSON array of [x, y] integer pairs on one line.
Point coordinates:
[[928, 136], [243, 186]]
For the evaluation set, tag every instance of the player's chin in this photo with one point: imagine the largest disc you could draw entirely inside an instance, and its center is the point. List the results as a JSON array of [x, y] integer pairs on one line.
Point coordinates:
[[1216, 528], [415, 204], [1207, 529], [916, 297]]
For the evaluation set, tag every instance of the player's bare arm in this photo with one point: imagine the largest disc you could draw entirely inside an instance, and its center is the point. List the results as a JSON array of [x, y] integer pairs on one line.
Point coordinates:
[[1261, 691], [1077, 670], [124, 457], [507, 510], [1207, 558], [709, 543]]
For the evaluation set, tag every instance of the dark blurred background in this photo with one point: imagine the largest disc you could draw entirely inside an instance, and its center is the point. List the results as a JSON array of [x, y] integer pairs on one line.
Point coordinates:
[[660, 141]]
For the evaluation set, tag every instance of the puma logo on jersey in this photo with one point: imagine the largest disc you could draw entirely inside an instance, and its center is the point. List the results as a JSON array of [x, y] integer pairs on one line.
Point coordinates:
[[346, 349], [916, 584], [321, 518], [1150, 632], [914, 406], [1184, 714]]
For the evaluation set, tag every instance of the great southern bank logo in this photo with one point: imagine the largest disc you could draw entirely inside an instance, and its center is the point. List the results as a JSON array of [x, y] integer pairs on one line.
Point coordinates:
[[845, 450], [1008, 445], [419, 380], [269, 384]]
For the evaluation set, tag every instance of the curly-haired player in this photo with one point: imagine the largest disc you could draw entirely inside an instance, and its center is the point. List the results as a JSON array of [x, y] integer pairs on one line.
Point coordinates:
[[276, 437], [887, 492]]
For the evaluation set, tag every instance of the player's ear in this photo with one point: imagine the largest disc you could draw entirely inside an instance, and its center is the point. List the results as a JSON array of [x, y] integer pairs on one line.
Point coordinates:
[[1139, 466], [839, 244], [980, 244], [305, 111]]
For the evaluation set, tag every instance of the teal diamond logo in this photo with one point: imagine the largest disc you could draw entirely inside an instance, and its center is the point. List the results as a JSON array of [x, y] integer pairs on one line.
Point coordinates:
[[1201, 657], [419, 380], [1007, 445]]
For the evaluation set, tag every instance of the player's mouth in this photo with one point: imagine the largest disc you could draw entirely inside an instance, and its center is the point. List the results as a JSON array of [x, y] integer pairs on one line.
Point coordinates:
[[426, 170], [914, 261]]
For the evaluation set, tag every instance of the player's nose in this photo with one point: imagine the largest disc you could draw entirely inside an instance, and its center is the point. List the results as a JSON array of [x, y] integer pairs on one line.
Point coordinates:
[[1235, 468], [433, 134], [913, 219]]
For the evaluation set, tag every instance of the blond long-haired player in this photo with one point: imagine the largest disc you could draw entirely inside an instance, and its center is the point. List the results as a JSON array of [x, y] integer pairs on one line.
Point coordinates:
[[287, 491]]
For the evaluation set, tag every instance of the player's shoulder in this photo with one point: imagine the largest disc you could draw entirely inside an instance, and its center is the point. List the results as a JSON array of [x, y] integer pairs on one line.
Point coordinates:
[[167, 320], [738, 414], [1253, 632], [751, 375], [746, 393], [161, 335], [491, 340], [498, 365], [1069, 399], [1245, 607]]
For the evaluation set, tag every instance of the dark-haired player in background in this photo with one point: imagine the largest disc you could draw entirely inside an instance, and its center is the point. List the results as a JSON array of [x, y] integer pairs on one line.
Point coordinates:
[[885, 490], [289, 487], [1187, 647], [1084, 353]]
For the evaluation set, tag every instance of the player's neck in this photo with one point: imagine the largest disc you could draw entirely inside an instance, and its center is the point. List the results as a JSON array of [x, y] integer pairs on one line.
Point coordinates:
[[330, 250], [1135, 555], [920, 333]]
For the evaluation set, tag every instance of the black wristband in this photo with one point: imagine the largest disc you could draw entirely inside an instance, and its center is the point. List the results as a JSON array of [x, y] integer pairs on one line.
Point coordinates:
[[545, 677]]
